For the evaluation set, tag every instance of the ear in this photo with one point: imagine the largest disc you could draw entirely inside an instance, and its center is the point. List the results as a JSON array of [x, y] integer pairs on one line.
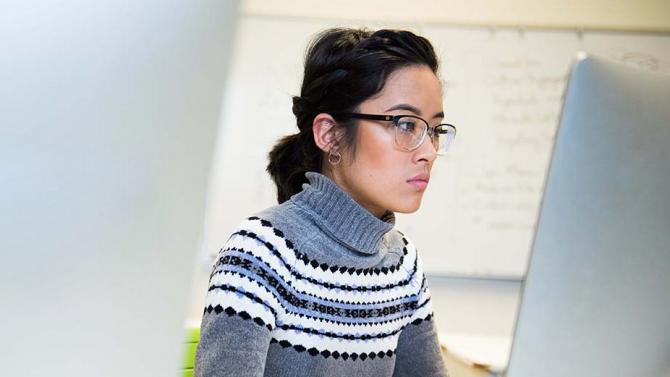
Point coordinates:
[[323, 128]]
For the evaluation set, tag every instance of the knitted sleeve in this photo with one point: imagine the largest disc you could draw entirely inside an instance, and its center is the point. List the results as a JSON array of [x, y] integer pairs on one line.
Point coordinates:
[[418, 352], [240, 309]]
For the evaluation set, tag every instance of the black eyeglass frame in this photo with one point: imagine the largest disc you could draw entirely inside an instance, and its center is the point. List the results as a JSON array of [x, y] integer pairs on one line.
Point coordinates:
[[394, 118]]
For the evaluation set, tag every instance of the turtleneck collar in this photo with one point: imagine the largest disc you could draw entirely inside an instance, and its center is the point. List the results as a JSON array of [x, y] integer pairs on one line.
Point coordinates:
[[342, 217]]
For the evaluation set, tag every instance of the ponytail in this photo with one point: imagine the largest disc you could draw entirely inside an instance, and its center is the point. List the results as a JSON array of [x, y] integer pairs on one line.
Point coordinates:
[[294, 155]]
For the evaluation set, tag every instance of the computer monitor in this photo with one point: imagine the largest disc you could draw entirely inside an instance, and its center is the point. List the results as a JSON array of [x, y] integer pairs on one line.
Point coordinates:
[[596, 300], [109, 112]]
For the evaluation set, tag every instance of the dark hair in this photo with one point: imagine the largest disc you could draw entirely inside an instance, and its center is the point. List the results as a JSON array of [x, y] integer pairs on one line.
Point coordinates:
[[343, 68]]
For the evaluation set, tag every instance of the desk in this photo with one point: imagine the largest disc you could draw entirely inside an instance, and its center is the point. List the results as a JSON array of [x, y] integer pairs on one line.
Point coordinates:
[[473, 355], [457, 368]]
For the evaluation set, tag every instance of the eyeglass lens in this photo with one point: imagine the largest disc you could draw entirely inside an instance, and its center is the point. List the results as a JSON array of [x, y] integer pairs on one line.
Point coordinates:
[[411, 131]]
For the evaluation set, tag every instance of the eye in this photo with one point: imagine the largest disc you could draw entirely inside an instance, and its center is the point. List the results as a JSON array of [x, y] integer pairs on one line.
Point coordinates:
[[406, 125]]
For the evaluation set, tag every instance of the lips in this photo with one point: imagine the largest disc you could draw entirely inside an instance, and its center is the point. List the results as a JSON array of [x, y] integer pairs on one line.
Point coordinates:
[[419, 181]]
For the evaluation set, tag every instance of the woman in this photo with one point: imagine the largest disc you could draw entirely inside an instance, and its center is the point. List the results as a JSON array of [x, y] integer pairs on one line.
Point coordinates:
[[322, 284]]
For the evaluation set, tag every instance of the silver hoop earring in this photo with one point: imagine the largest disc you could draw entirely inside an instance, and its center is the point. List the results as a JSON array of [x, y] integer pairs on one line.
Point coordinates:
[[334, 157]]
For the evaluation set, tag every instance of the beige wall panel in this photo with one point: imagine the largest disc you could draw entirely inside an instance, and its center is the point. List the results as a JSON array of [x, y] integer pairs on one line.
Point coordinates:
[[626, 15]]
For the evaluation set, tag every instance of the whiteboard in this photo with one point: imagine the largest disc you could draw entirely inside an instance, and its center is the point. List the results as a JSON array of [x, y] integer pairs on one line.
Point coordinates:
[[503, 91]]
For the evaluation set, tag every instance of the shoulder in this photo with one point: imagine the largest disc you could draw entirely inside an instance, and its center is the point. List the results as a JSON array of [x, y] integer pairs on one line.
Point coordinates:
[[259, 237], [411, 254], [290, 222], [396, 242], [409, 259], [267, 236], [411, 263], [267, 221]]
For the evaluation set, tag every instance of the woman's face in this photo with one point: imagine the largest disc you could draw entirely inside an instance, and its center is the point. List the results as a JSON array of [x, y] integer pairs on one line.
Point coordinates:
[[382, 176]]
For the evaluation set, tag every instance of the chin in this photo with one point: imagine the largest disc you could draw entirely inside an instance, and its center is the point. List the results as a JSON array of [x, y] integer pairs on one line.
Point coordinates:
[[408, 208]]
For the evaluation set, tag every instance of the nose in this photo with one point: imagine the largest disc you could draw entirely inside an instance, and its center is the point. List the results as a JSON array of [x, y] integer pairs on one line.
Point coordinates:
[[425, 152]]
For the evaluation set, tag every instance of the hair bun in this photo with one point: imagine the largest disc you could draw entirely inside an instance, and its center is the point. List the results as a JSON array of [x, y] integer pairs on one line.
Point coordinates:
[[302, 109], [300, 106]]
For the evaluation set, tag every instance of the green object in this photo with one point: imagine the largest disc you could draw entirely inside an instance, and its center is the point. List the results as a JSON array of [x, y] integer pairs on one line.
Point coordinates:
[[190, 346], [193, 335], [189, 357]]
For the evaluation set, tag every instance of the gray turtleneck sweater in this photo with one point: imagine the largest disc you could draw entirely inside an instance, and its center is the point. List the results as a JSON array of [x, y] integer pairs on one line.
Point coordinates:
[[318, 286]]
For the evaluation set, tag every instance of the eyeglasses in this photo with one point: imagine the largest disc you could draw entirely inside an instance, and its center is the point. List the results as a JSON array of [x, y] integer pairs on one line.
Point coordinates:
[[411, 130]]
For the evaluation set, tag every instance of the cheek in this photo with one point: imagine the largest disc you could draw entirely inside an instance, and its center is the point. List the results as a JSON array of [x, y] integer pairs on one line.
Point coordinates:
[[377, 152]]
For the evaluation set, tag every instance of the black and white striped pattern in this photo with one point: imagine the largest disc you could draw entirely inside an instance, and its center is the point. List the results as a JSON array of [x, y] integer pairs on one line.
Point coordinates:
[[323, 310]]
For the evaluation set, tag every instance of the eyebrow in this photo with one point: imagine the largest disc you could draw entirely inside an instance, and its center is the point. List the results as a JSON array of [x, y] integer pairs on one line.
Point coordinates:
[[414, 109]]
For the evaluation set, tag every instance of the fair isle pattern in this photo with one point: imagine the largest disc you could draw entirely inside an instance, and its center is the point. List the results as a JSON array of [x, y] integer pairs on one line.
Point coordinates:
[[326, 310]]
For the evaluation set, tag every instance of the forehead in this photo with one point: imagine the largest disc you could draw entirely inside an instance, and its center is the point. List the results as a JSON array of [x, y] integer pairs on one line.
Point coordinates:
[[414, 85]]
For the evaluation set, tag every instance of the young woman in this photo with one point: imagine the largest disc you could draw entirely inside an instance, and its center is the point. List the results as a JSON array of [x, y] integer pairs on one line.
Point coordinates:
[[323, 284]]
